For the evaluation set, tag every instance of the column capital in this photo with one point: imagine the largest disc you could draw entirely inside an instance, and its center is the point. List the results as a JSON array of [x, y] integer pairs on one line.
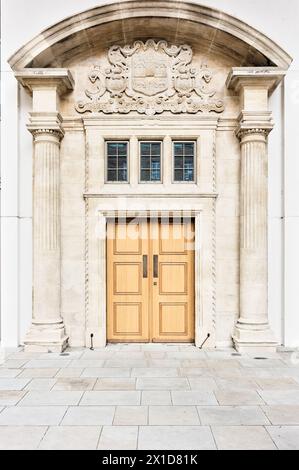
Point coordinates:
[[252, 124], [42, 133], [43, 125]]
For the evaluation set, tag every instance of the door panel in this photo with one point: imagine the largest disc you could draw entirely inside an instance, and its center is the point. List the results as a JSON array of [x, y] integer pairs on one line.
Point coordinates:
[[173, 290], [127, 284], [150, 282]]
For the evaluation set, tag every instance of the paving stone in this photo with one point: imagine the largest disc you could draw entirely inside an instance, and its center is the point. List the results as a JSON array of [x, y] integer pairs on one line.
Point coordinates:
[[162, 384], [223, 364], [204, 384], [126, 362], [192, 354], [86, 363], [13, 384], [232, 415], [242, 438], [74, 383], [152, 397], [88, 415], [69, 372], [169, 363], [95, 355], [175, 438], [9, 373], [18, 437], [71, 438], [255, 363], [111, 398], [131, 355], [154, 372], [32, 415], [282, 383], [280, 397], [69, 354], [173, 415], [193, 397], [41, 384], [238, 397], [195, 372], [106, 372], [51, 398], [285, 437], [47, 363], [11, 397], [202, 363], [239, 383], [282, 414], [131, 415], [155, 355], [115, 383], [14, 363], [118, 437], [38, 373]]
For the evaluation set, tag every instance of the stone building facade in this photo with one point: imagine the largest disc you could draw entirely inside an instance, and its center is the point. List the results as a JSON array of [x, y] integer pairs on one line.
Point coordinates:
[[119, 78]]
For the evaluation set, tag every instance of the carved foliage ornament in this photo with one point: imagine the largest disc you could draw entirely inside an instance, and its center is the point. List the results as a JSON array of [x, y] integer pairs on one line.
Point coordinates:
[[150, 78]]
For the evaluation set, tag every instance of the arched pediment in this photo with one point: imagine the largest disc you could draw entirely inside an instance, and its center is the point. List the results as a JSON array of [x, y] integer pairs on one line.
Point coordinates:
[[121, 22]]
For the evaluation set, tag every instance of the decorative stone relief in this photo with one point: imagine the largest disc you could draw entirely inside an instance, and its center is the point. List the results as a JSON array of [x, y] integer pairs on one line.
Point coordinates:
[[150, 78]]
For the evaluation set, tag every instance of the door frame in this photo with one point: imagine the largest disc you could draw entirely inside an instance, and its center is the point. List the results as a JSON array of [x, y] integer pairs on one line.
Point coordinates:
[[204, 265]]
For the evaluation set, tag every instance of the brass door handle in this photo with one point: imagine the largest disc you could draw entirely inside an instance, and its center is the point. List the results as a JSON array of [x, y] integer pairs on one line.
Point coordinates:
[[155, 264]]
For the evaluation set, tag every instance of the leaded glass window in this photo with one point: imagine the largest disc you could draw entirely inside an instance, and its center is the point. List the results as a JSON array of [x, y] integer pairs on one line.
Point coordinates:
[[117, 161], [150, 161], [184, 157]]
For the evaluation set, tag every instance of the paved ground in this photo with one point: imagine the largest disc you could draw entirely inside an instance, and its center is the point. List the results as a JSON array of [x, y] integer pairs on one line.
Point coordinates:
[[148, 397]]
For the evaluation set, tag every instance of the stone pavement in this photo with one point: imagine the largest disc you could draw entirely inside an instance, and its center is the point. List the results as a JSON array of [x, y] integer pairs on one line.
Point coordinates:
[[150, 396]]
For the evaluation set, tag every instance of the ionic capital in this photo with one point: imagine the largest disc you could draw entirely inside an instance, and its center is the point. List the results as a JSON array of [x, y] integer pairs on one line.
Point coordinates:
[[44, 133], [252, 133]]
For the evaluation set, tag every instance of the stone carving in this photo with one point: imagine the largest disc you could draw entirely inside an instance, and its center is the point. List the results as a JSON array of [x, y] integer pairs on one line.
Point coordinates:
[[150, 78]]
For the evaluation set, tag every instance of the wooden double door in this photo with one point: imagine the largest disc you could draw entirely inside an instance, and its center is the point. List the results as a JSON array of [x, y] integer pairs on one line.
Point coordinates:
[[150, 281]]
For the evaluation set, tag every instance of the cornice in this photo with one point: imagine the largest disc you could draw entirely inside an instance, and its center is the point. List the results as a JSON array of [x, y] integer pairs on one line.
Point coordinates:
[[268, 77], [62, 79]]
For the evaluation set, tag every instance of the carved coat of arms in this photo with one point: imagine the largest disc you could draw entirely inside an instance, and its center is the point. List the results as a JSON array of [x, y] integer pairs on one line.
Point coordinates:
[[150, 78]]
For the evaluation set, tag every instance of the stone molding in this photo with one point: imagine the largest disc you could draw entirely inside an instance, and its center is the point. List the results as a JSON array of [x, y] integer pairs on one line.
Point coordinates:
[[150, 78]]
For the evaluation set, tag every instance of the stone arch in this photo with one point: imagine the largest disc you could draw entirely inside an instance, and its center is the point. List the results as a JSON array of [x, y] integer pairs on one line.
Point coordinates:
[[215, 30]]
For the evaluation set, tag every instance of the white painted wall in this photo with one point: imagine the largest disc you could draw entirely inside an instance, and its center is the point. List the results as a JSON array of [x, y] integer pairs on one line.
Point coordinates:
[[21, 21]]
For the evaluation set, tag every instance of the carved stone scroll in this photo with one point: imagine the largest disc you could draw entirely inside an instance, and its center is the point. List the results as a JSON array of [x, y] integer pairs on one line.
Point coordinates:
[[150, 78]]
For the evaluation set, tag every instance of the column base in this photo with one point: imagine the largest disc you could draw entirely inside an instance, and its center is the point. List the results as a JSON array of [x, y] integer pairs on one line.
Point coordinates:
[[254, 338], [46, 337]]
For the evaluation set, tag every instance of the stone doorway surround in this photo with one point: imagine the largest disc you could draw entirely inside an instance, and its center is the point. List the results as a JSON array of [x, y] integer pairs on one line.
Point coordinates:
[[204, 280], [253, 85]]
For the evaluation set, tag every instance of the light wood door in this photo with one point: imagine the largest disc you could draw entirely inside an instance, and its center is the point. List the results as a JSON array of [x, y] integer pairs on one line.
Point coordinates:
[[173, 282], [127, 282], [150, 281]]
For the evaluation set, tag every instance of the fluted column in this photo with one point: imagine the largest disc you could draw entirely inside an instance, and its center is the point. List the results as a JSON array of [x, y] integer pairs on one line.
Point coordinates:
[[47, 331], [252, 329], [253, 86]]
